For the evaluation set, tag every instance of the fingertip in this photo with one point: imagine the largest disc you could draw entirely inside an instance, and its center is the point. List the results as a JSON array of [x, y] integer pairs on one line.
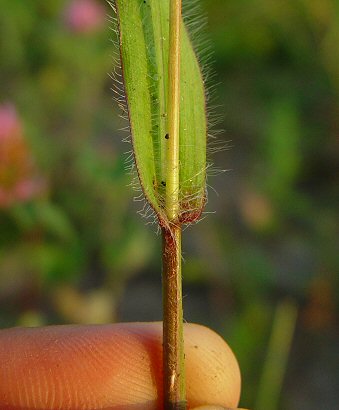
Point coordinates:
[[211, 408], [95, 367]]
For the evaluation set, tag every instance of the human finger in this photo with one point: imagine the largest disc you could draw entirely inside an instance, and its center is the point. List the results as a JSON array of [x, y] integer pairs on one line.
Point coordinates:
[[109, 367], [214, 408]]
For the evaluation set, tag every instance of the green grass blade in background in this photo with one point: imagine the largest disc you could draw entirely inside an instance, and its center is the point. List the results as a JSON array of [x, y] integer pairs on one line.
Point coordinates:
[[143, 35], [279, 349]]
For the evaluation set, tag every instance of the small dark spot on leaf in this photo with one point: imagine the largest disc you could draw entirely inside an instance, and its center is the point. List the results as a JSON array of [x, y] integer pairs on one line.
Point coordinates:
[[195, 347], [163, 183], [167, 136]]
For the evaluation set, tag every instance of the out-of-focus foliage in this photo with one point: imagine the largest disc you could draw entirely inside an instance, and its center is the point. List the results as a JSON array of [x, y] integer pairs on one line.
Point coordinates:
[[55, 93], [70, 238]]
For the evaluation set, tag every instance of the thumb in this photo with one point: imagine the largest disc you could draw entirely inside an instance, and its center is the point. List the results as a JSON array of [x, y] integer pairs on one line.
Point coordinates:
[[109, 367], [213, 408]]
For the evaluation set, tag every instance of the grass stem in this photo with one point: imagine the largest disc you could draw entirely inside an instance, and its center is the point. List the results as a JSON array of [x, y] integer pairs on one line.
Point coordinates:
[[173, 342]]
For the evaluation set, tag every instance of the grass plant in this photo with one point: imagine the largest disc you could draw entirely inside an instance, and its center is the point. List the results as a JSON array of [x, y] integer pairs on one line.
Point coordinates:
[[160, 88]]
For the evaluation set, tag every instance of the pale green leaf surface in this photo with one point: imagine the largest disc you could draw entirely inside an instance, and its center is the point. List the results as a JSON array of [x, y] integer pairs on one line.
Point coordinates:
[[144, 31]]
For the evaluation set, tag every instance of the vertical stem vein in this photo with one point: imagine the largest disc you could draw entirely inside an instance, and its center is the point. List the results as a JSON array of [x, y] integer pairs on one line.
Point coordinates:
[[173, 343], [172, 159]]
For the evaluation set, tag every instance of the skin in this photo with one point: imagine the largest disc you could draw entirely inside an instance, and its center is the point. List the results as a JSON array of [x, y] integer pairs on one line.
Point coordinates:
[[110, 367]]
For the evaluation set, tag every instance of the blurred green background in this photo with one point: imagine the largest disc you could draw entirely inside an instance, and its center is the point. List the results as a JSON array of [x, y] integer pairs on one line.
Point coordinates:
[[261, 269]]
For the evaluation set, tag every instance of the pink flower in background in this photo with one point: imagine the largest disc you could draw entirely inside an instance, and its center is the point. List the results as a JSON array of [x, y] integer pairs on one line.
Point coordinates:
[[85, 16], [9, 123], [18, 178]]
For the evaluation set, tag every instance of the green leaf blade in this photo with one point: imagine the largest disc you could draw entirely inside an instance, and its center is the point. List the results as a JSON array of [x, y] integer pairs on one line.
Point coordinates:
[[144, 33]]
